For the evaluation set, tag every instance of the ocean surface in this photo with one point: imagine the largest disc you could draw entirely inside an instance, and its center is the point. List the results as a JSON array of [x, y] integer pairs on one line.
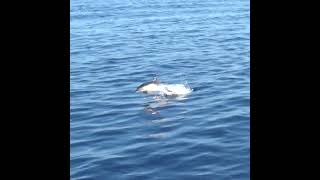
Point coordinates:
[[116, 133]]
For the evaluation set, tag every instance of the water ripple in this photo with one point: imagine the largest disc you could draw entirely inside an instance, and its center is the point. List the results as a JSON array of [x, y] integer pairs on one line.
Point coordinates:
[[117, 133]]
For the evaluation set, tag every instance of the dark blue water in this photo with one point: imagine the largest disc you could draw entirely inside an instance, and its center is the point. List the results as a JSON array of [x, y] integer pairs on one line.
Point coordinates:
[[116, 46]]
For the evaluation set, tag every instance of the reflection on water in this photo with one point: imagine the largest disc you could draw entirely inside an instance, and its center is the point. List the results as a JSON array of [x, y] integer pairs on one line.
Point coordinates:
[[118, 134], [159, 101], [151, 110], [164, 112], [152, 107], [158, 136]]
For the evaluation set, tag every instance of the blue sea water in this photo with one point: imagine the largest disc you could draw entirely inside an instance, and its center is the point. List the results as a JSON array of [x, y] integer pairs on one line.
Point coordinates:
[[116, 46]]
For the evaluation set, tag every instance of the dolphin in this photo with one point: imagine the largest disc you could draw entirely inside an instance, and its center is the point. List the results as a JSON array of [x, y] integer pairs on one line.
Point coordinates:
[[156, 87], [149, 87]]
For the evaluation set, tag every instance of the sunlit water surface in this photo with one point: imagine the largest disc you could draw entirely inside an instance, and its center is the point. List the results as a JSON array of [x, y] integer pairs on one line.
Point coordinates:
[[117, 133]]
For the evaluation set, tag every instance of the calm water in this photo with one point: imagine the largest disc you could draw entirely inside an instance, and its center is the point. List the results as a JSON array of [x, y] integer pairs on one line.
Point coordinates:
[[116, 46]]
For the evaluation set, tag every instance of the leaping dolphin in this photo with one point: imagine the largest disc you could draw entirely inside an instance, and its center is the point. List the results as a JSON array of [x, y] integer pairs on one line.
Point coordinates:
[[155, 87]]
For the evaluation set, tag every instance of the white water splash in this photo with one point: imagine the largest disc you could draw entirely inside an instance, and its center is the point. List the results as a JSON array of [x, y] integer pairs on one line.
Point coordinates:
[[174, 89]]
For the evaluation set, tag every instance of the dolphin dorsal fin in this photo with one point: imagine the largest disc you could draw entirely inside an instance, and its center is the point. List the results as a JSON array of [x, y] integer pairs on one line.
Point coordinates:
[[155, 80]]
